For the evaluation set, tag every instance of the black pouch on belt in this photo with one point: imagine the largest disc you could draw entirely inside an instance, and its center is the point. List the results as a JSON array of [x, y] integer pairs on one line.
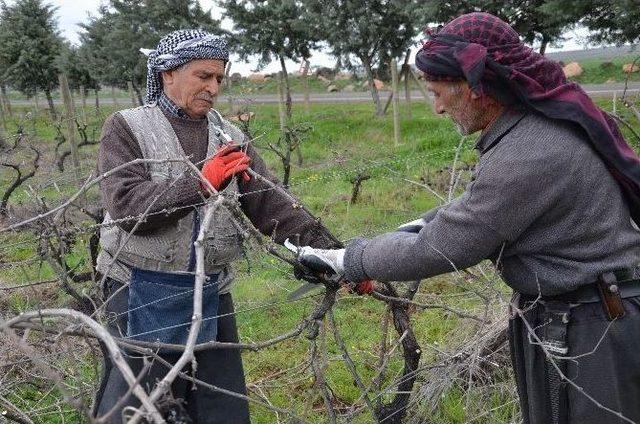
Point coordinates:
[[610, 294], [554, 340]]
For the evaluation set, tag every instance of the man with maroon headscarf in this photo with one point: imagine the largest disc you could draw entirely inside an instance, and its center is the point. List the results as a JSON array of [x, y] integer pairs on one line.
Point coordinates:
[[552, 203]]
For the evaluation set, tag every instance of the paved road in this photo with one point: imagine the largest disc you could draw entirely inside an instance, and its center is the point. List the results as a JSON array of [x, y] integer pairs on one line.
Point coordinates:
[[597, 90]]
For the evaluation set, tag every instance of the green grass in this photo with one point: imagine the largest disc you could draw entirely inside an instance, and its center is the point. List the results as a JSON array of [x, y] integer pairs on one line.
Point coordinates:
[[598, 71], [344, 139]]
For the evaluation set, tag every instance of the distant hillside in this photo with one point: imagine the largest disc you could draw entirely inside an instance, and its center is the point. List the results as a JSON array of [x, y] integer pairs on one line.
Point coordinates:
[[597, 53]]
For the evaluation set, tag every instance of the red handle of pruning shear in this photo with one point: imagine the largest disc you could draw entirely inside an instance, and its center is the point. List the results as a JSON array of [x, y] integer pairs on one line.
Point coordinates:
[[363, 287]]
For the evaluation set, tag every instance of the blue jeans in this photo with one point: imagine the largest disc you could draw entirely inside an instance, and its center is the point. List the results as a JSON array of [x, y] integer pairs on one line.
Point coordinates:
[[218, 367], [161, 307]]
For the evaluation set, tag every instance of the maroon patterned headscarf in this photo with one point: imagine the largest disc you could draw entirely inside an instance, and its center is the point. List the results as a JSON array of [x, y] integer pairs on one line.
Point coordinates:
[[487, 53]]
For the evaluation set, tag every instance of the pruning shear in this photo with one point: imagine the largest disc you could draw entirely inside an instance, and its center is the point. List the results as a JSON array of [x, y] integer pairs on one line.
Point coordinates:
[[313, 281], [317, 279]]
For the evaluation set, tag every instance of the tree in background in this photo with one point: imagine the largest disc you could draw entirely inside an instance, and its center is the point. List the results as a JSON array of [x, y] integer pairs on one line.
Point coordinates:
[[29, 45], [542, 21], [111, 40], [71, 63], [611, 21], [538, 21], [369, 30], [272, 30]]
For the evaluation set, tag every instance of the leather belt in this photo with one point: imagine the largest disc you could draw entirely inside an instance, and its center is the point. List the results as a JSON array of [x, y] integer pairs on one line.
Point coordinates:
[[591, 294]]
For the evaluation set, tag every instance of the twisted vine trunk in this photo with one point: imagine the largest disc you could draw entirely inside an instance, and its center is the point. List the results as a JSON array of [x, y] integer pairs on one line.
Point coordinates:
[[395, 411]]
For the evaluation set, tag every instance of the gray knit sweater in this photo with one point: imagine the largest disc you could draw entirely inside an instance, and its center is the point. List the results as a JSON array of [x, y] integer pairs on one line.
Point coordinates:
[[541, 206], [128, 192]]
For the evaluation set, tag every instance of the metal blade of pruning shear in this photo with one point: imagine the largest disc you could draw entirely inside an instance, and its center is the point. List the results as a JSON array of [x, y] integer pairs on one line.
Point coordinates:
[[306, 287], [295, 249], [302, 290]]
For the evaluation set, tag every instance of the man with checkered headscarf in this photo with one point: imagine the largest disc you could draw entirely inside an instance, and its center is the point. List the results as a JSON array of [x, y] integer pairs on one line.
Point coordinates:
[[153, 216], [554, 203]]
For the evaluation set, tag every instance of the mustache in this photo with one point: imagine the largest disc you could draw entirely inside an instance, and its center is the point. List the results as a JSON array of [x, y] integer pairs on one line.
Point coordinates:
[[206, 97]]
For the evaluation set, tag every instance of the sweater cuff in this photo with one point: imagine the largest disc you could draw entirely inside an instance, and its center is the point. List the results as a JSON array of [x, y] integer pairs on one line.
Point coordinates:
[[353, 265], [186, 191]]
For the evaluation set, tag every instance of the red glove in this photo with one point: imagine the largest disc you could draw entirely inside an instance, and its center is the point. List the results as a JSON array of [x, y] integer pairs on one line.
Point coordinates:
[[363, 287], [226, 163]]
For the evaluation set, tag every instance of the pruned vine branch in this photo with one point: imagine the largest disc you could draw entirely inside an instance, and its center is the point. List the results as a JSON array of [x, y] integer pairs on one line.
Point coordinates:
[[20, 177]]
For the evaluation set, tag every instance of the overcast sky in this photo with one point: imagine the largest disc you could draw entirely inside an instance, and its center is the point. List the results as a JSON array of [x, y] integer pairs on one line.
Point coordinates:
[[72, 12]]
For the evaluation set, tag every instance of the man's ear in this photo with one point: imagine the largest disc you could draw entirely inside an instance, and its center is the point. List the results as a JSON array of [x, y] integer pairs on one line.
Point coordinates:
[[168, 77]]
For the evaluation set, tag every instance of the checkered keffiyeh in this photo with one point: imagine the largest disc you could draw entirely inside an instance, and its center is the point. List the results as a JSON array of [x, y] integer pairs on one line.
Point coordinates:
[[486, 52], [176, 49]]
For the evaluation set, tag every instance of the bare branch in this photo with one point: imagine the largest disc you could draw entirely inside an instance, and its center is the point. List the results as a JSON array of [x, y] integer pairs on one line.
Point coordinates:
[[104, 336]]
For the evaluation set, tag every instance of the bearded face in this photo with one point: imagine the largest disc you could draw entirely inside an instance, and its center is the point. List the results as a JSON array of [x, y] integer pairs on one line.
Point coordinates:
[[460, 103], [195, 86]]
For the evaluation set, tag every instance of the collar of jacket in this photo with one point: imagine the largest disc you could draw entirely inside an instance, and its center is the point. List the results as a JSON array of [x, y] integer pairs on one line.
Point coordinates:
[[505, 122], [170, 107]]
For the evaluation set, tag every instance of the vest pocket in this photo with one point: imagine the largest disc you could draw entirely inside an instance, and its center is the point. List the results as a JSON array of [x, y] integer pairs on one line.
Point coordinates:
[[223, 249], [154, 246], [161, 307], [224, 242]]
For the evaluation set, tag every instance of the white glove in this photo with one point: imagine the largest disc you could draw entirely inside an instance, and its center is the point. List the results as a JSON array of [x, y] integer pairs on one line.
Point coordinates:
[[413, 226], [320, 260]]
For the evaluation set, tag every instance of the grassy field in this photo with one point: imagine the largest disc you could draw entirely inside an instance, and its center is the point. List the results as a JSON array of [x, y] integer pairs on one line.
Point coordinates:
[[597, 71], [343, 141]]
